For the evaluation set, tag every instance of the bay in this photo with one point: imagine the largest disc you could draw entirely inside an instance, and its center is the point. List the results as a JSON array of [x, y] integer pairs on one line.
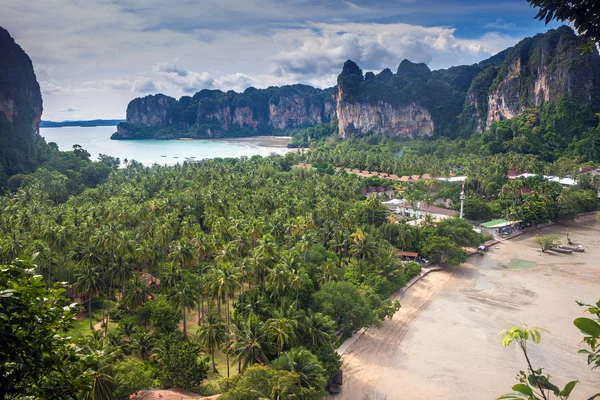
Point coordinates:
[[96, 140]]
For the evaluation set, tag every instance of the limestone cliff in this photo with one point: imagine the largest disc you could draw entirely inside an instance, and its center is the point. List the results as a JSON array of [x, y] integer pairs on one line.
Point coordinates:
[[20, 109], [214, 114], [542, 70], [382, 118], [414, 101]]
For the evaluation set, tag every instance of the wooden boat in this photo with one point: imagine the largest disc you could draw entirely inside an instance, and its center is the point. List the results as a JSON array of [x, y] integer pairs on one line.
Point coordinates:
[[577, 249], [559, 250]]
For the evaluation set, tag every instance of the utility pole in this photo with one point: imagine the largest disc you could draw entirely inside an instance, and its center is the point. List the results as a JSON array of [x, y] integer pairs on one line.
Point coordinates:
[[462, 200]]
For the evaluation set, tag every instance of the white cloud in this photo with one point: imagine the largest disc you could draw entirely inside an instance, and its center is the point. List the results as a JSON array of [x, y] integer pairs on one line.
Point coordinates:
[[71, 110], [500, 24], [100, 54], [169, 68], [49, 88], [312, 53], [144, 86]]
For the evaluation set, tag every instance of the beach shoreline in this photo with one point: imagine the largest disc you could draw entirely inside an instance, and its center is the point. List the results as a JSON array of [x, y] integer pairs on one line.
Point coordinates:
[[265, 141], [443, 342]]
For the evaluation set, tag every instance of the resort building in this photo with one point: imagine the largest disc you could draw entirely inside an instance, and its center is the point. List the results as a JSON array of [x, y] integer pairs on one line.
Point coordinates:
[[565, 182], [499, 227], [418, 210]]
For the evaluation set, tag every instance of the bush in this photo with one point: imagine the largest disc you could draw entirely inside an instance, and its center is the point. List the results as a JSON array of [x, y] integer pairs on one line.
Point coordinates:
[[546, 242], [130, 376], [411, 269]]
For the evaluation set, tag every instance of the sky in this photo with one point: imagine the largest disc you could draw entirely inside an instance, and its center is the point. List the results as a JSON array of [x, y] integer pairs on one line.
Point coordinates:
[[92, 57]]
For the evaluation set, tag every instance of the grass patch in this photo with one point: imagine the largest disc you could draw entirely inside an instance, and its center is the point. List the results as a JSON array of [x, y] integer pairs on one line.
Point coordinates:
[[221, 363]]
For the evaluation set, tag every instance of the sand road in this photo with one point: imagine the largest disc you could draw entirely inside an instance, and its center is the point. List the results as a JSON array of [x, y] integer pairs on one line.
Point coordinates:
[[443, 343]]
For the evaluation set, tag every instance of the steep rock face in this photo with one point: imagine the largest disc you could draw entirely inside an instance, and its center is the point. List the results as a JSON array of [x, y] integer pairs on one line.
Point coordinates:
[[292, 112], [20, 108], [213, 113], [544, 69], [152, 111], [382, 118], [371, 103]]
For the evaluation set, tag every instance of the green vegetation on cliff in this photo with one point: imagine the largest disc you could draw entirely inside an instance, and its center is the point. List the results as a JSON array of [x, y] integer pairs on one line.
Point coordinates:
[[213, 113], [20, 111]]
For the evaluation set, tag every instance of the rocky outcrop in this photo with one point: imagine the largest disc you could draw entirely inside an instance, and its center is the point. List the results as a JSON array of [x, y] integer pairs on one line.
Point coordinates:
[[292, 112], [152, 111], [20, 109], [215, 114], [382, 118], [414, 101], [542, 70]]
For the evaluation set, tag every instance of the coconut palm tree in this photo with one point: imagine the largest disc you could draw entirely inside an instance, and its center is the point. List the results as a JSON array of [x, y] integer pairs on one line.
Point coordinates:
[[302, 362], [317, 329], [250, 342], [212, 335], [142, 343], [282, 331], [183, 296], [135, 294], [89, 282]]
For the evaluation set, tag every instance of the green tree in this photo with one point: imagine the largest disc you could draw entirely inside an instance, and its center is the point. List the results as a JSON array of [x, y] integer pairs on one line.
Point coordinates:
[[90, 283], [459, 231], [181, 364], [442, 251], [282, 331], [142, 343], [131, 376], [345, 305], [250, 343], [135, 294], [36, 359], [212, 335], [305, 364], [163, 316], [259, 382], [591, 329]]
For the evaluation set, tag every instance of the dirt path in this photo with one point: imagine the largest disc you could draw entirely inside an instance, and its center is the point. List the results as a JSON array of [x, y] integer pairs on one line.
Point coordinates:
[[443, 343]]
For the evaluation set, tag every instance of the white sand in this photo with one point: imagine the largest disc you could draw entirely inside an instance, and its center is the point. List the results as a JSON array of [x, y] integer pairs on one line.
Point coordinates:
[[444, 343]]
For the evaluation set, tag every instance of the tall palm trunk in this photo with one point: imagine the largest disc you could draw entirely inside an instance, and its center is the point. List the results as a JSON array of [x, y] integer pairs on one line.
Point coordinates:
[[184, 325], [90, 312], [199, 308]]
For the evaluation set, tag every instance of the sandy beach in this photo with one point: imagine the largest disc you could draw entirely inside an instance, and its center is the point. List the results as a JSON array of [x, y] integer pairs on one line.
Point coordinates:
[[267, 141], [444, 344]]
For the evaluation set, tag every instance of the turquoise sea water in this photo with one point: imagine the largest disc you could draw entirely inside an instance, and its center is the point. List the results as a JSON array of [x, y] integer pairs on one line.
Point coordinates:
[[96, 140]]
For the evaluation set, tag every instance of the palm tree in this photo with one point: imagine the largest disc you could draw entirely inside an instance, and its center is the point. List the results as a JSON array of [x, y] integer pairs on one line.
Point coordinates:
[[374, 204], [184, 297], [135, 294], [101, 387], [142, 343], [282, 331], [212, 335], [224, 281], [317, 328], [278, 281], [406, 236], [250, 342], [89, 282], [330, 272], [305, 364]]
